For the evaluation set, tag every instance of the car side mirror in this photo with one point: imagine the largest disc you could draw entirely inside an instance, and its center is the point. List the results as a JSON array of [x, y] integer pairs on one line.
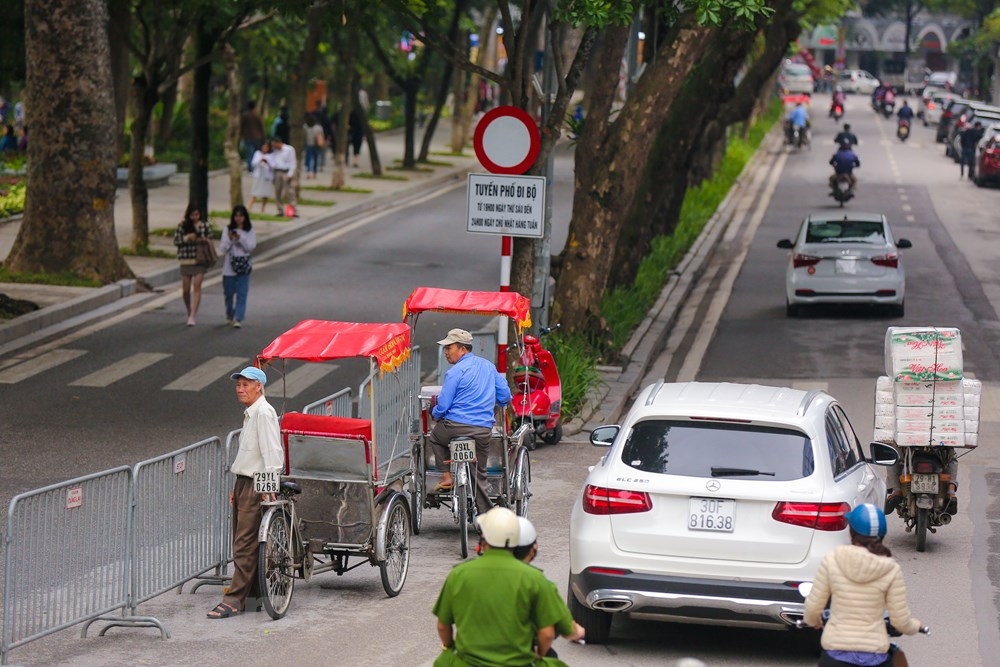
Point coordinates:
[[883, 454], [785, 244], [903, 243], [603, 436]]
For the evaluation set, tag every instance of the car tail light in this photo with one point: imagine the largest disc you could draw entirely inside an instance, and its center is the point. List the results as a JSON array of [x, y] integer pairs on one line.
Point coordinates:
[[821, 516], [800, 260], [599, 500], [608, 570], [945, 114], [890, 261], [930, 105]]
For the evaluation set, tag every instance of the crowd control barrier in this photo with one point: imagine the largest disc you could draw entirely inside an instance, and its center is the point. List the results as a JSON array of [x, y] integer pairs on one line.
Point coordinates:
[[334, 405], [390, 401]]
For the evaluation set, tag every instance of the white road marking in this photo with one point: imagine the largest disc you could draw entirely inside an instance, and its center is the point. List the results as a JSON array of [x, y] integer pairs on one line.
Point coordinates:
[[907, 207], [120, 369], [911, 218], [214, 369], [39, 364], [298, 380]]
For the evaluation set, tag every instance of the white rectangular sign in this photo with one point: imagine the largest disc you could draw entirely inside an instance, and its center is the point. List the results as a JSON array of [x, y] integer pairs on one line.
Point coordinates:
[[507, 205]]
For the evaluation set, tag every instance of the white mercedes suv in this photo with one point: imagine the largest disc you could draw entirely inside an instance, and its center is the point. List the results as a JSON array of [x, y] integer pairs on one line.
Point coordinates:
[[713, 503]]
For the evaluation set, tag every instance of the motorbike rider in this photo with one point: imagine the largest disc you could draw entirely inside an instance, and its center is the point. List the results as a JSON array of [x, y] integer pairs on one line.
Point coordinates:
[[837, 100], [894, 496], [846, 135], [798, 117], [905, 112], [888, 100], [860, 580], [844, 161], [877, 96]]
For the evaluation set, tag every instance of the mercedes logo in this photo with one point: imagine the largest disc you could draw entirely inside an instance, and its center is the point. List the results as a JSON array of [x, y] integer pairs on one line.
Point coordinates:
[[713, 485]]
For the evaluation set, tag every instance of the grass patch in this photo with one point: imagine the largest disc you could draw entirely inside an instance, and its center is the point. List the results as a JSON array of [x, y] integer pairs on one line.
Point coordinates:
[[438, 163], [577, 370], [451, 154], [398, 166], [327, 188], [66, 278], [147, 252], [316, 202], [387, 177]]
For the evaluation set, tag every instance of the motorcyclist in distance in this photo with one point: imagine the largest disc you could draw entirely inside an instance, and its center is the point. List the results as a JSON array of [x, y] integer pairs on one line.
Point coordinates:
[[838, 99], [844, 161], [905, 112], [846, 135], [797, 117]]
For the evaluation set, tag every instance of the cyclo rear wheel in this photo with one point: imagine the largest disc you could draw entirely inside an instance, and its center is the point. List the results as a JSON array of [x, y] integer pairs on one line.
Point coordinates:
[[275, 561], [519, 482], [418, 487], [397, 546], [461, 481]]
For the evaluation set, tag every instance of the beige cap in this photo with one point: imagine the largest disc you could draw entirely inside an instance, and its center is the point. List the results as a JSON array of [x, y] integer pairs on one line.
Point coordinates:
[[457, 336]]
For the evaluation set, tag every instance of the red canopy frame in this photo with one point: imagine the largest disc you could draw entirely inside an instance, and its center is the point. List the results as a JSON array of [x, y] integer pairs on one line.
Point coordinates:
[[323, 340], [511, 304]]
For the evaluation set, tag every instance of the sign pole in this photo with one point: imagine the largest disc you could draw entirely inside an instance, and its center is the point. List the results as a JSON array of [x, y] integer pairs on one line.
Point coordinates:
[[506, 252]]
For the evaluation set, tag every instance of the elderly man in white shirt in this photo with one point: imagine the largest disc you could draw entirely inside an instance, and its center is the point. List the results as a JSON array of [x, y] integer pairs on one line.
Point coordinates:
[[283, 162], [260, 451]]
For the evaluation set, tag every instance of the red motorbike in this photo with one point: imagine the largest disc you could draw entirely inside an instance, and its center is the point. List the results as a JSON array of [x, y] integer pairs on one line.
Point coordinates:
[[538, 397]]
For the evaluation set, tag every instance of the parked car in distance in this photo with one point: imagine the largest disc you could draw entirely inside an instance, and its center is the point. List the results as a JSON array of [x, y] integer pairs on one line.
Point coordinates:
[[933, 105], [975, 112], [713, 503], [847, 258], [988, 157], [953, 110], [946, 80], [858, 81], [796, 78]]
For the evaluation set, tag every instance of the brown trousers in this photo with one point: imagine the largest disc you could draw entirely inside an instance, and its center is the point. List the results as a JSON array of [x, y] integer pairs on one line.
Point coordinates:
[[246, 522], [442, 434]]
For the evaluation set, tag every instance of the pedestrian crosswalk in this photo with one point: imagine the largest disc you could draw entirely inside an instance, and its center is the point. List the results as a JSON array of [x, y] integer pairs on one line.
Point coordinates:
[[56, 362]]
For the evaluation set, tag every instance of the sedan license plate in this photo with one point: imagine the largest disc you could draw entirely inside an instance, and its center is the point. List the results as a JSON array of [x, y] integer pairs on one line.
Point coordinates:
[[463, 451], [924, 483], [715, 514], [849, 266], [265, 482]]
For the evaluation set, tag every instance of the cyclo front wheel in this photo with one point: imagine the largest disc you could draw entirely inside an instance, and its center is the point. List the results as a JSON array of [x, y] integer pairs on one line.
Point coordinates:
[[461, 509], [418, 487], [275, 560], [519, 482]]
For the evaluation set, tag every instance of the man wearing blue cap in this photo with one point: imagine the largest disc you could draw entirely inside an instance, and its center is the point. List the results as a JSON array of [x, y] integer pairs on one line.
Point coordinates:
[[260, 451]]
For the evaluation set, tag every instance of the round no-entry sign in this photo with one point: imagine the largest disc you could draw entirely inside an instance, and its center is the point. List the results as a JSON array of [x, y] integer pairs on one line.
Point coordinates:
[[506, 140]]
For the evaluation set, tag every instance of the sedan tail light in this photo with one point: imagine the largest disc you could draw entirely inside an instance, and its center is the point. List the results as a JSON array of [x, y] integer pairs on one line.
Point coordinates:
[[890, 261], [599, 500], [946, 114], [930, 106], [820, 516], [799, 260]]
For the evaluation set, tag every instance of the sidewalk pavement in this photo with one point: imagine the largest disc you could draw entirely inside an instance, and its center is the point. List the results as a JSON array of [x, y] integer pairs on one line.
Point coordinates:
[[167, 203]]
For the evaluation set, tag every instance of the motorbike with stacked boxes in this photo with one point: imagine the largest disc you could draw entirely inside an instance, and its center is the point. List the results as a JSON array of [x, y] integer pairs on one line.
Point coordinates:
[[927, 407]]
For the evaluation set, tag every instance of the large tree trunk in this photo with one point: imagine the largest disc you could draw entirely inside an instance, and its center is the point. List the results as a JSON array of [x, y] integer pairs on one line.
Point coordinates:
[[204, 44], [69, 211], [233, 160], [315, 19], [610, 162], [118, 31], [446, 76], [145, 99], [411, 91]]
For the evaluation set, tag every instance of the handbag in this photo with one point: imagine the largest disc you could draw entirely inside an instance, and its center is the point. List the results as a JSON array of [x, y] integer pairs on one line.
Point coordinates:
[[241, 265], [205, 254]]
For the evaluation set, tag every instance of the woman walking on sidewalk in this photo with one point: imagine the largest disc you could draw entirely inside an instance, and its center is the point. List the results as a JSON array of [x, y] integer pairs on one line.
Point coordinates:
[[237, 244], [263, 177], [192, 230]]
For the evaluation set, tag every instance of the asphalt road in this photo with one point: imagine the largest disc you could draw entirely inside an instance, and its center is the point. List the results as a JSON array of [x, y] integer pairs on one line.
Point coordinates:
[[734, 328]]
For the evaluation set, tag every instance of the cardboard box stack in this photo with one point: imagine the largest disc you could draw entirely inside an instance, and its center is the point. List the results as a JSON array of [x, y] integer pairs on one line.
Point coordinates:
[[924, 398]]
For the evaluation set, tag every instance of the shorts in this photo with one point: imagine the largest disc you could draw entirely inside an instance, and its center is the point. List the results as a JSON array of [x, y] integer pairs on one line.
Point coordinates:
[[192, 269]]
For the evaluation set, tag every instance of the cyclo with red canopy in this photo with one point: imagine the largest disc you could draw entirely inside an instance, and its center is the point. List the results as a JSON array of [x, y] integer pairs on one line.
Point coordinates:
[[341, 496], [508, 467]]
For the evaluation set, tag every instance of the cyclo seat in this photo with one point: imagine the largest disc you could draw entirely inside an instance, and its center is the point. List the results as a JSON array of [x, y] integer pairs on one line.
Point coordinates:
[[290, 487]]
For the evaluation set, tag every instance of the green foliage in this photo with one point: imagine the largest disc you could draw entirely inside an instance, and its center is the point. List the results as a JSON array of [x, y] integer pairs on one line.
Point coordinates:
[[66, 278], [624, 308], [12, 199], [576, 359]]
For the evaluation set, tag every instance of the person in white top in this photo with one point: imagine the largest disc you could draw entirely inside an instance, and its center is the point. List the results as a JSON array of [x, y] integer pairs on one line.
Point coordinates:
[[260, 451], [283, 162]]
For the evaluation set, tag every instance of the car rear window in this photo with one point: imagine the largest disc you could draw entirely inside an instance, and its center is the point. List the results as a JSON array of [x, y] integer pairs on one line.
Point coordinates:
[[798, 70], [716, 449], [845, 231]]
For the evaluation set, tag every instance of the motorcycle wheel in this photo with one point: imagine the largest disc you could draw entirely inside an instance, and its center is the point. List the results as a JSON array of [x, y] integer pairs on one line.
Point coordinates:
[[921, 529], [554, 436]]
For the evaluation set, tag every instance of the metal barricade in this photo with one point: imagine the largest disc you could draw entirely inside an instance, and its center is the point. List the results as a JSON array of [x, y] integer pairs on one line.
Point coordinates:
[[225, 537], [178, 518], [395, 397], [334, 405], [67, 555]]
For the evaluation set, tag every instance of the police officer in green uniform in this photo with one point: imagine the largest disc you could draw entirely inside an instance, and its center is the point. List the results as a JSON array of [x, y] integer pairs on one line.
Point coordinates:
[[495, 610]]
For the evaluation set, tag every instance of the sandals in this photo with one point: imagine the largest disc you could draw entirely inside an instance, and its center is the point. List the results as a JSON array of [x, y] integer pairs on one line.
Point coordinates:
[[442, 488], [223, 610]]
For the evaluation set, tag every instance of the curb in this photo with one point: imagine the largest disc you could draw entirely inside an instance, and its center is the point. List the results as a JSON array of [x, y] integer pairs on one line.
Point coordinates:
[[607, 403]]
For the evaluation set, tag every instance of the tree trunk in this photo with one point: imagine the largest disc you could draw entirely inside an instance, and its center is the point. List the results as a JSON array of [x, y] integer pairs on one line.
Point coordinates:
[[459, 121], [204, 44], [69, 224], [118, 31], [145, 100], [610, 162], [442, 96], [410, 95], [164, 130], [315, 19], [233, 160]]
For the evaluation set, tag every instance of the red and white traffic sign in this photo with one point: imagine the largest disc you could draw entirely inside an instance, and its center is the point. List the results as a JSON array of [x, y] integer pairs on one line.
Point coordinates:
[[506, 140]]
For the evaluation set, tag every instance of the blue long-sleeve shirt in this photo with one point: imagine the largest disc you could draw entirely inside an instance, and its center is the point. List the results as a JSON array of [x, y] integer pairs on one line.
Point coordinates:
[[471, 389]]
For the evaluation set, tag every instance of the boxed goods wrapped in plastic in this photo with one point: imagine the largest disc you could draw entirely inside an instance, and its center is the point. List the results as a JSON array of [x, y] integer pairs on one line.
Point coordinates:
[[928, 440], [884, 383], [885, 422], [935, 426], [923, 353], [885, 410], [929, 412], [948, 396], [884, 435]]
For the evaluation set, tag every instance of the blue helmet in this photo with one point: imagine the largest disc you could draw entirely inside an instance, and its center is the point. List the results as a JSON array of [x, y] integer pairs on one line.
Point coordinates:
[[867, 520]]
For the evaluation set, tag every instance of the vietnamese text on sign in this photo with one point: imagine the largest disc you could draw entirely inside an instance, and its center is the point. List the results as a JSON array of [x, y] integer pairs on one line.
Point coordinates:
[[508, 205]]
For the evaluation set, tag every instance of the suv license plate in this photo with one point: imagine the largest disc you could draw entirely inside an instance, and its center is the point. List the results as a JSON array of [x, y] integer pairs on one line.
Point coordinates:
[[924, 483], [463, 451], [715, 514], [265, 482]]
